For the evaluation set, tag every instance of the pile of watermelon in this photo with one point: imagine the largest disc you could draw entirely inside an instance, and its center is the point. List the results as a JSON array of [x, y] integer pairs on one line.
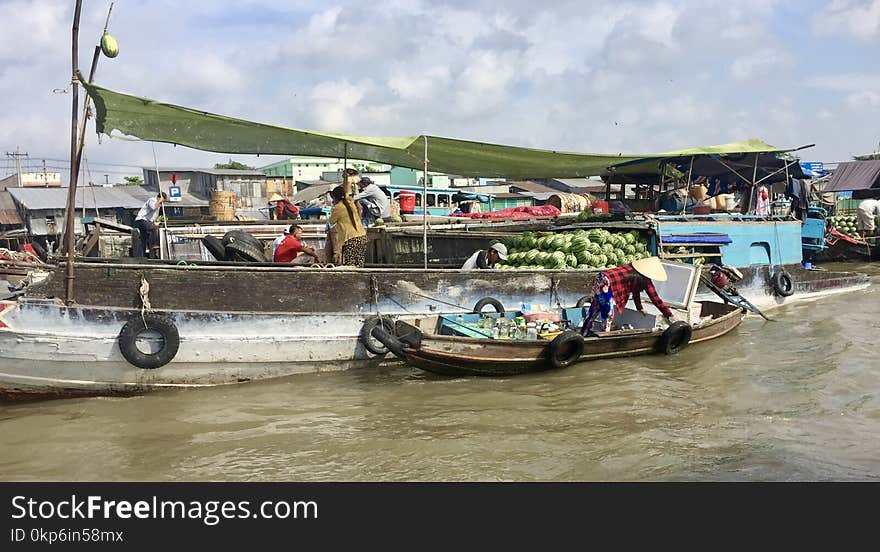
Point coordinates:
[[845, 225], [594, 249]]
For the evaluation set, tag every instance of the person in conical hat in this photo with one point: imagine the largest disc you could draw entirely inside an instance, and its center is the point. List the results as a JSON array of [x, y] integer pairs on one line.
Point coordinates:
[[284, 209], [622, 282]]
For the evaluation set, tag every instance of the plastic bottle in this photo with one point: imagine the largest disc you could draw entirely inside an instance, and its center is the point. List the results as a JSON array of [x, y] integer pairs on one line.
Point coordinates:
[[531, 331]]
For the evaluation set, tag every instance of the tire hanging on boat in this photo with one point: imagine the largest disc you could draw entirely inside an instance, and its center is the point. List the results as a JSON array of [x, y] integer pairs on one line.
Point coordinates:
[[392, 343], [584, 302], [241, 236], [675, 338], [782, 283], [215, 247], [565, 349], [138, 324], [245, 251], [370, 342], [495, 303]]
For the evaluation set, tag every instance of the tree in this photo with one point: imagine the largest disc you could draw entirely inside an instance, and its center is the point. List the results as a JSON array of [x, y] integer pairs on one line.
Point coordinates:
[[869, 157], [233, 165], [134, 181]]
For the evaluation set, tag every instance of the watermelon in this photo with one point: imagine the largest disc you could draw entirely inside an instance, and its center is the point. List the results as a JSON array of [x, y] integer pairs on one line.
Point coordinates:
[[109, 46]]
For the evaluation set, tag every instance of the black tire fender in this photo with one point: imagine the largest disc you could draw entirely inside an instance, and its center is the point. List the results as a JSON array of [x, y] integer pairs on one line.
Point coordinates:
[[246, 251], [391, 342], [138, 324], [495, 303], [215, 247], [565, 349], [241, 236], [409, 336], [40, 251], [674, 338], [782, 283], [584, 302], [366, 336]]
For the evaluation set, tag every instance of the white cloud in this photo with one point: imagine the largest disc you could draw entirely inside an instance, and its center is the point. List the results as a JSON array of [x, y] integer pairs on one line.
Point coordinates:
[[759, 64], [859, 18], [861, 100], [556, 75]]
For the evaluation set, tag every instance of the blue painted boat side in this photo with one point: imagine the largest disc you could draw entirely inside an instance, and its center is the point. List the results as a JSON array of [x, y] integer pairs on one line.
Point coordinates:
[[754, 243]]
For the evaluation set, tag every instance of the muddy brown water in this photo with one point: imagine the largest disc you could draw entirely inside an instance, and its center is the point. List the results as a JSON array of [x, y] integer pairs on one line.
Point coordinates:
[[794, 399]]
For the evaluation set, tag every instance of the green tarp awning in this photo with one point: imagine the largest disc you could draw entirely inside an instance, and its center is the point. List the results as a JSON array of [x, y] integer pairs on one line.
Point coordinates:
[[160, 122]]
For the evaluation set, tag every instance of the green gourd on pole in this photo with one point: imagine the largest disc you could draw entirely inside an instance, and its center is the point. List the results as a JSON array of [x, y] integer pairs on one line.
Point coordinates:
[[109, 46]]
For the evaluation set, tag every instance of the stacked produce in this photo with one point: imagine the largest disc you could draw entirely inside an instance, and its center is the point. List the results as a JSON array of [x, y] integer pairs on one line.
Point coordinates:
[[845, 225], [594, 249]]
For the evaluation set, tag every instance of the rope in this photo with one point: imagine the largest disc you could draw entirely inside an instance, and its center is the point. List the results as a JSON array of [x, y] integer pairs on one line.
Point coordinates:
[[554, 292], [144, 292], [431, 298]]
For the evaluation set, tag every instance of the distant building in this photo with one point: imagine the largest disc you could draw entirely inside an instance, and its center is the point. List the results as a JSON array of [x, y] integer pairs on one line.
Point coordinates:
[[42, 210], [314, 168], [32, 180], [252, 191]]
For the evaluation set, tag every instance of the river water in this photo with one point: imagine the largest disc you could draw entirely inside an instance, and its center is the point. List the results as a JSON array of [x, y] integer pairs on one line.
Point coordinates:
[[793, 399]]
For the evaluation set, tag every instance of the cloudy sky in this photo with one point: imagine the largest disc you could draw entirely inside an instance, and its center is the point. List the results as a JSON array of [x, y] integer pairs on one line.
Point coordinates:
[[580, 75]]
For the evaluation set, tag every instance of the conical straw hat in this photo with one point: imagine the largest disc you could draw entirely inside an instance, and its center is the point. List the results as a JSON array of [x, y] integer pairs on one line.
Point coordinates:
[[650, 267], [275, 197]]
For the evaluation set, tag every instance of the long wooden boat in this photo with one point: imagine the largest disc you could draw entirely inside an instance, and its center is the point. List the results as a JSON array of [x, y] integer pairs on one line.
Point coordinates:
[[457, 347], [433, 344]]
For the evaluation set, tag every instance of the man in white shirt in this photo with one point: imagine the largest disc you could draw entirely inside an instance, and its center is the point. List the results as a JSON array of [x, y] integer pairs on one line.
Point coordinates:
[[374, 203], [146, 223], [866, 216], [488, 258]]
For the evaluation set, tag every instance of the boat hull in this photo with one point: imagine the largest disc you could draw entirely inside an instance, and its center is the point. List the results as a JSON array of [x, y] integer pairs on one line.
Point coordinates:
[[465, 357], [245, 325], [49, 350]]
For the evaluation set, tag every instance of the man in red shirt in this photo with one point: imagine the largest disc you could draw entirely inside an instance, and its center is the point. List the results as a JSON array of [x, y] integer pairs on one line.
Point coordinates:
[[292, 248]]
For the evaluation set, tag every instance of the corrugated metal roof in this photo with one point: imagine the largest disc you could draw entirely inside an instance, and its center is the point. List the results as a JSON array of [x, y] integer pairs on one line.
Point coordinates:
[[529, 186], [855, 175], [216, 172], [312, 192], [125, 197]]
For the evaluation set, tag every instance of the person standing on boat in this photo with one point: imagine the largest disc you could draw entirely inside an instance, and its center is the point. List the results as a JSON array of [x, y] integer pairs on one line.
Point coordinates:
[[293, 250], [633, 279], [762, 201], [345, 220], [488, 258], [284, 209], [866, 216], [145, 222], [374, 203]]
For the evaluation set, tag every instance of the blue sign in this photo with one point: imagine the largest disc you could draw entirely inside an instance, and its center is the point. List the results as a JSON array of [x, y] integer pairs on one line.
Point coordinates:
[[813, 168], [174, 193]]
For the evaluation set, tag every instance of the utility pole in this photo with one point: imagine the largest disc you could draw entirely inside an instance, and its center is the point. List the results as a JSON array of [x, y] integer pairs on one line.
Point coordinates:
[[45, 176], [17, 156]]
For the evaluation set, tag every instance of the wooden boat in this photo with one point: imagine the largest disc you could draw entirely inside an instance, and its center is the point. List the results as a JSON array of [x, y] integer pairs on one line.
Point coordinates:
[[456, 346]]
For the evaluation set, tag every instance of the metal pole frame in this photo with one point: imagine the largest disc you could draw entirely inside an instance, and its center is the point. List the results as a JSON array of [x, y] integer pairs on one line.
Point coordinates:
[[688, 185]]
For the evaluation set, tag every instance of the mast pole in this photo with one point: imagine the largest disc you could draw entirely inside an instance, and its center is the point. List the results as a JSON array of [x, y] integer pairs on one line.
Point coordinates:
[[74, 169], [425, 205]]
